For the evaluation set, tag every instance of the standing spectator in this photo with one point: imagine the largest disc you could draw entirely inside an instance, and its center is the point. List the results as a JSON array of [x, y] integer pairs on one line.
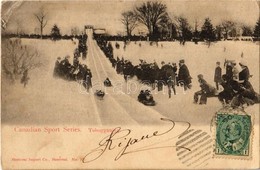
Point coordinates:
[[244, 76], [65, 67], [184, 77], [87, 83], [57, 69], [88, 72], [170, 84], [229, 70], [218, 74]]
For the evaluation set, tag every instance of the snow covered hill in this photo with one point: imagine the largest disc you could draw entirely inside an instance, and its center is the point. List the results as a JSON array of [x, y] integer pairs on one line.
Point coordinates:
[[47, 100]]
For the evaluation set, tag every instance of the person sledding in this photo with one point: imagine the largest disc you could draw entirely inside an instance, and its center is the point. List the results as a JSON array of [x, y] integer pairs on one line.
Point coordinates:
[[244, 91], [227, 94], [100, 94], [107, 82], [146, 98], [206, 91]]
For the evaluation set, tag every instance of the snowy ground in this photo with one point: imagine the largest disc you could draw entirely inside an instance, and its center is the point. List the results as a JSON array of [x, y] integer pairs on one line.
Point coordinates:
[[46, 100], [54, 101]]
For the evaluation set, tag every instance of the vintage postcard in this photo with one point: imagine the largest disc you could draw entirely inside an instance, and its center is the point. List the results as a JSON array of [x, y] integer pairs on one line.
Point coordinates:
[[130, 84]]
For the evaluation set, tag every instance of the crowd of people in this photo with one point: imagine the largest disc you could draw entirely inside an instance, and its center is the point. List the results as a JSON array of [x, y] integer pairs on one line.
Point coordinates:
[[149, 73], [76, 71], [237, 89], [82, 46]]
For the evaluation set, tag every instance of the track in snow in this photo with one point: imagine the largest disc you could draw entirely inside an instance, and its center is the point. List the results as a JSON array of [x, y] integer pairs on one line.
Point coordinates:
[[117, 107]]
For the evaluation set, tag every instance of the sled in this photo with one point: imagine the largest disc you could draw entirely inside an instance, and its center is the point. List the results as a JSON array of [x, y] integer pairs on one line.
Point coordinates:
[[243, 102], [203, 99], [107, 84], [100, 95], [147, 102]]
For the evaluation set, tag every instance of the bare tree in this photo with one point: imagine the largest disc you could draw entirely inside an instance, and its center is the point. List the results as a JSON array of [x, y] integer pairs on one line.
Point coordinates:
[[228, 27], [19, 28], [41, 18], [183, 28], [129, 20], [246, 30], [75, 31], [152, 14], [219, 32], [16, 58], [256, 33]]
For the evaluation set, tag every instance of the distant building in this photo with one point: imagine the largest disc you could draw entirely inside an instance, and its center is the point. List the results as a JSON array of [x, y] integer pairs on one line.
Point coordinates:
[[244, 38], [89, 27], [100, 31]]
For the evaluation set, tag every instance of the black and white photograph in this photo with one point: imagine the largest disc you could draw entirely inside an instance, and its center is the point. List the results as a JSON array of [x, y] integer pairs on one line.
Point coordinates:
[[149, 84]]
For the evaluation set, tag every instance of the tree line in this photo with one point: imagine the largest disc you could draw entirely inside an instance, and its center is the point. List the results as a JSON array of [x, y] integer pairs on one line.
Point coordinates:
[[154, 16], [41, 19], [160, 26]]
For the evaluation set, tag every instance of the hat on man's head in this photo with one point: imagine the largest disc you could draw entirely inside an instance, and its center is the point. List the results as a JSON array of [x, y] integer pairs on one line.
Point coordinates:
[[182, 61], [200, 76], [58, 58], [218, 63]]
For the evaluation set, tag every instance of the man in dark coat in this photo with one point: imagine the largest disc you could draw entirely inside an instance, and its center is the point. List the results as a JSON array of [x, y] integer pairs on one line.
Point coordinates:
[[170, 83], [227, 94], [89, 74], [229, 70], [184, 77], [127, 69], [87, 83], [244, 76], [218, 74], [57, 68], [206, 91], [65, 67], [248, 90]]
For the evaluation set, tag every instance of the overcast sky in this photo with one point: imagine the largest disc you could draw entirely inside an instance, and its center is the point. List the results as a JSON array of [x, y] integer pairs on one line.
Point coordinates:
[[106, 14]]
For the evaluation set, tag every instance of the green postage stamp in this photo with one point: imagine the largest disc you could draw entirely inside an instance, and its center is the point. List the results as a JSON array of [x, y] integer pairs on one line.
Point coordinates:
[[233, 134]]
